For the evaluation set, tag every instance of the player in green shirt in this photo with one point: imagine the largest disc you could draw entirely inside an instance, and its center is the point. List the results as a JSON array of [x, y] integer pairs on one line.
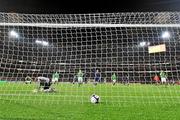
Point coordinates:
[[55, 77], [114, 78], [80, 77], [163, 76]]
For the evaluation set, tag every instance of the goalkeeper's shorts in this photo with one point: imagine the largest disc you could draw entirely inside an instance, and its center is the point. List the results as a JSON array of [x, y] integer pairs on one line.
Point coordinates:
[[42, 83], [47, 86]]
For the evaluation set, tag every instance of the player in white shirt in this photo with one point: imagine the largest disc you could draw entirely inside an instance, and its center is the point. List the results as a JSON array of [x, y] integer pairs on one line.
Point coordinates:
[[44, 84]]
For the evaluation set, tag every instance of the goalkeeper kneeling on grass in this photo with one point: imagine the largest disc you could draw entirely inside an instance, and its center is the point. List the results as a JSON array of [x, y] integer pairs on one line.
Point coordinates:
[[44, 84], [114, 78]]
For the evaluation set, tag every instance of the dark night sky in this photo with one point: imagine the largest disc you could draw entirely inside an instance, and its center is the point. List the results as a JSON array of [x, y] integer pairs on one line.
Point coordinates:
[[87, 6]]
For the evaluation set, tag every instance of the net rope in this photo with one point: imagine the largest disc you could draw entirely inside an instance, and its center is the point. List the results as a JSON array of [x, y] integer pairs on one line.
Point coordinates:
[[39, 45]]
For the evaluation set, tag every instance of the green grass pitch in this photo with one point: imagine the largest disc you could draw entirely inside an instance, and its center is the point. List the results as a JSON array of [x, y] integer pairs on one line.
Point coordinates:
[[70, 102]]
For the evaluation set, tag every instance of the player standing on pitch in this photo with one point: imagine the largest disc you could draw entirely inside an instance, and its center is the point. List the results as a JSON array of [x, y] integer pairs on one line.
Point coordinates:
[[55, 78], [125, 79], [80, 77], [74, 79], [163, 76], [156, 79], [97, 77], [114, 78]]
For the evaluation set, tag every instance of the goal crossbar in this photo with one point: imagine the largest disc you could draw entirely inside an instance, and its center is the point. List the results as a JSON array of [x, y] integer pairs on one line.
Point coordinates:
[[58, 25]]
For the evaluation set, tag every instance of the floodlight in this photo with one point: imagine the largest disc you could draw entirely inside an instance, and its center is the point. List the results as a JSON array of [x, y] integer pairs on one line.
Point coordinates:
[[13, 34], [165, 35]]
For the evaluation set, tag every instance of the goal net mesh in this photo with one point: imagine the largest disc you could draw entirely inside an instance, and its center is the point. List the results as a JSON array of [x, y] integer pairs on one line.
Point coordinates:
[[134, 46]]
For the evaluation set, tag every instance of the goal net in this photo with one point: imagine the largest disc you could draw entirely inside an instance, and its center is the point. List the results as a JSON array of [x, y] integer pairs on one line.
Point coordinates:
[[141, 49]]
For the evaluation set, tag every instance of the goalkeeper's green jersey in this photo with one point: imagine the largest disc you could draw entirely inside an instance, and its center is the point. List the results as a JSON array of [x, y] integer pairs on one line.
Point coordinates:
[[114, 77], [55, 76], [163, 74], [80, 74]]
